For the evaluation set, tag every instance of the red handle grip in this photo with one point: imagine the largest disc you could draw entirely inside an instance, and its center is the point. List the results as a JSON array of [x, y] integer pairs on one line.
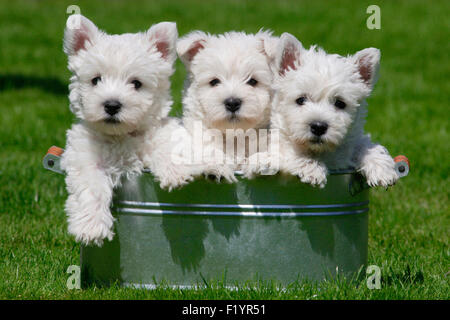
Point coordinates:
[[56, 151], [401, 158]]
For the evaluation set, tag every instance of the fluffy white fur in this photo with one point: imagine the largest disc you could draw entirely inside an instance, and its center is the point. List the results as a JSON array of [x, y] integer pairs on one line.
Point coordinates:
[[323, 82], [103, 147], [232, 65]]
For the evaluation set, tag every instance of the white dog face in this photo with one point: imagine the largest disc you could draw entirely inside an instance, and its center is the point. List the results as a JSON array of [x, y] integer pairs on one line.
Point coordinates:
[[230, 78], [319, 94], [118, 79]]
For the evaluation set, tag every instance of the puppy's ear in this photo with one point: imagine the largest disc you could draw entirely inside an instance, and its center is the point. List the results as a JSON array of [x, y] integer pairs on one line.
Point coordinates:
[[269, 44], [368, 61], [79, 31], [190, 45], [288, 53], [164, 37]]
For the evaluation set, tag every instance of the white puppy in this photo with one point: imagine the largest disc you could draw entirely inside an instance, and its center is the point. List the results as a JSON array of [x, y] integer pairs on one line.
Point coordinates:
[[226, 102], [119, 91], [320, 109]]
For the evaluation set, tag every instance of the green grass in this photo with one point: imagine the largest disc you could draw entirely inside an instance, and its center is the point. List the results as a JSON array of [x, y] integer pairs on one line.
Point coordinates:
[[408, 113]]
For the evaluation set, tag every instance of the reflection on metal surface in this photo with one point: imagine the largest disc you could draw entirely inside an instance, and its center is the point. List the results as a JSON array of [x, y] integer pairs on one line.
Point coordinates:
[[138, 211]]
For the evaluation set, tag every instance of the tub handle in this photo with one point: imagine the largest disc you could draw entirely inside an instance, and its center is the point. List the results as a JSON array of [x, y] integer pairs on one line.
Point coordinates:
[[401, 165], [52, 160], [358, 183]]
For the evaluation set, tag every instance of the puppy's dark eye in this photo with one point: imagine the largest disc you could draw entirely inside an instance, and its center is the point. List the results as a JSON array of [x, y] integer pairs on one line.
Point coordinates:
[[137, 84], [95, 80], [252, 82], [340, 104], [301, 101], [214, 82]]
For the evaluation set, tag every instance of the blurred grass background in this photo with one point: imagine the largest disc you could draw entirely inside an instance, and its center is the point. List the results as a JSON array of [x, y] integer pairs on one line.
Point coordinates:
[[408, 113]]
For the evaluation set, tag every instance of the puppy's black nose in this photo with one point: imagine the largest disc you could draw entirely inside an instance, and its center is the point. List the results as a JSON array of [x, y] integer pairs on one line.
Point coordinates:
[[233, 104], [112, 107], [318, 128]]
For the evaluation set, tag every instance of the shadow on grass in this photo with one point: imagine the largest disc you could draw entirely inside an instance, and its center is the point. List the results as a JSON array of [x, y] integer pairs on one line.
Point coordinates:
[[20, 81], [407, 276]]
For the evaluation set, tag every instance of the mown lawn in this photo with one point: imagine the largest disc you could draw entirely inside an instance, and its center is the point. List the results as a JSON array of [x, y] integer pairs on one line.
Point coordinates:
[[408, 113]]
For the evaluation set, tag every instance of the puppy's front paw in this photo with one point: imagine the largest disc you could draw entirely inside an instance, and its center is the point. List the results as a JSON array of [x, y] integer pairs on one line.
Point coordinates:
[[174, 179], [91, 231], [220, 172], [314, 173], [380, 174], [259, 163]]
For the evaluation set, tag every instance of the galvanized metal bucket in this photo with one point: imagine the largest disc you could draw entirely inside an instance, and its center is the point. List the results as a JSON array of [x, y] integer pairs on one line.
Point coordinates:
[[271, 228]]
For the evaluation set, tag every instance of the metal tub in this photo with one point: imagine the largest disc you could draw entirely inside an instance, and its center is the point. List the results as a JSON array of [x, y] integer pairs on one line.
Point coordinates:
[[272, 228]]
